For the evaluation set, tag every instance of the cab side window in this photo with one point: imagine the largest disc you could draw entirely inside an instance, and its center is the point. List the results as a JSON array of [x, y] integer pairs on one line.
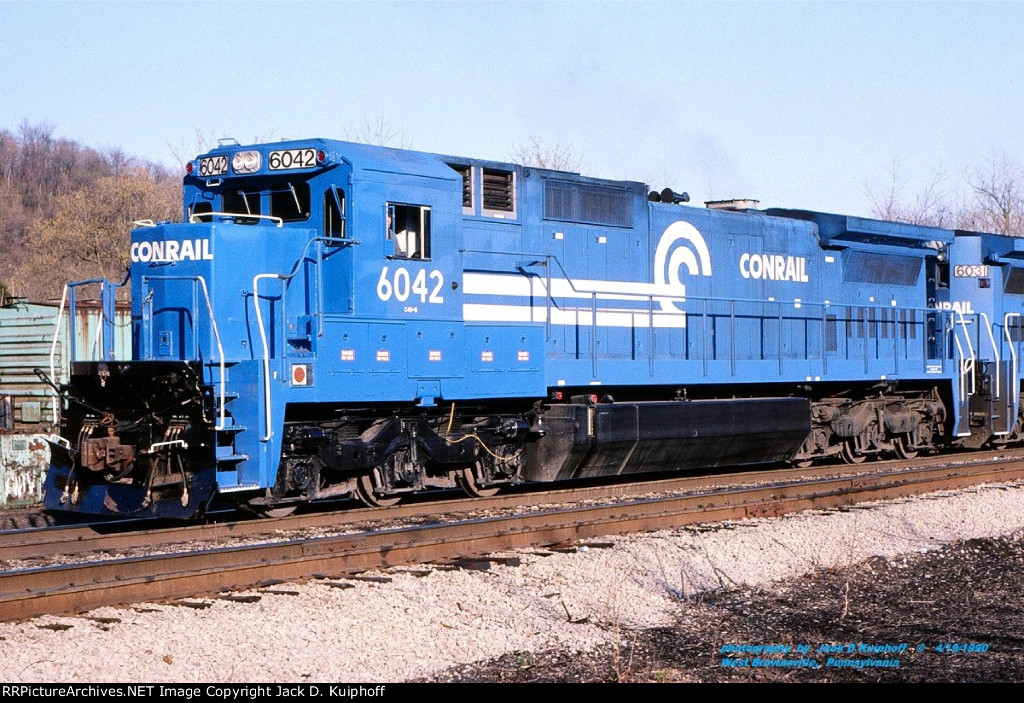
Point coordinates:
[[334, 214], [408, 230]]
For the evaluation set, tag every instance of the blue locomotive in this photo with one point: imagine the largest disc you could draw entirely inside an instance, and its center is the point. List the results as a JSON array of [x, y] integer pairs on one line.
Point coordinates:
[[336, 319]]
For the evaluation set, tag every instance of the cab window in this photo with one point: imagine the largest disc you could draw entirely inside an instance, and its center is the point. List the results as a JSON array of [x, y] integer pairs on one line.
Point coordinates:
[[408, 231], [239, 202], [200, 208], [290, 201], [334, 213]]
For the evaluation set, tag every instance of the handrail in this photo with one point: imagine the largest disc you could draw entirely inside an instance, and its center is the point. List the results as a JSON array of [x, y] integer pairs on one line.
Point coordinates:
[[587, 292], [266, 350], [995, 351], [963, 361], [649, 297], [1013, 353], [590, 295], [964, 365], [263, 332], [220, 351], [824, 305], [193, 219], [157, 446], [53, 351]]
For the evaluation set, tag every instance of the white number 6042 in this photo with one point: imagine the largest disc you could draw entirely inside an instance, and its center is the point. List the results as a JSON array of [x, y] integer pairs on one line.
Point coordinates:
[[401, 284]]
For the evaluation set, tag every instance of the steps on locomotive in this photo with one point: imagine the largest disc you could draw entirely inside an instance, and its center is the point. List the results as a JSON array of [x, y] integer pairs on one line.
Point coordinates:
[[991, 407], [226, 455]]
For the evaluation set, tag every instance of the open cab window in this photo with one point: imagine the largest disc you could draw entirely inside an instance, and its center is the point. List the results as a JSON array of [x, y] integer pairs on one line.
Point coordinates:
[[334, 214], [408, 231]]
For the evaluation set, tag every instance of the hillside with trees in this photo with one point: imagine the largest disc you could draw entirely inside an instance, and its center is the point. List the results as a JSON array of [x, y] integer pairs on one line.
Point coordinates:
[[66, 210]]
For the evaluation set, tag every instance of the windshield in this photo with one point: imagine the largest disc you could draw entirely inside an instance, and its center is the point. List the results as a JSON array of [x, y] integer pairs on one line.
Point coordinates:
[[287, 200]]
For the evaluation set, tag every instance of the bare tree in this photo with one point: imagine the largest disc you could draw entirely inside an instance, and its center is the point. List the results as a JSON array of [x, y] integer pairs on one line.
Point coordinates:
[[998, 188], [377, 131], [536, 152], [117, 160], [993, 201], [185, 151], [935, 205]]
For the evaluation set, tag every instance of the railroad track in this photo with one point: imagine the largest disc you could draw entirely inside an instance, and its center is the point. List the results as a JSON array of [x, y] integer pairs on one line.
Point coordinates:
[[125, 535], [118, 581]]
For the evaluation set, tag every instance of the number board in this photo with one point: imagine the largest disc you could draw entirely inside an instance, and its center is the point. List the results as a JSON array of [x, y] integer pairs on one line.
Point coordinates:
[[292, 158], [213, 166], [975, 271]]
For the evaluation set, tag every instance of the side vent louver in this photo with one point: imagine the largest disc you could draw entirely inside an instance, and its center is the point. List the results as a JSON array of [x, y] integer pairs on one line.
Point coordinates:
[[499, 190], [586, 203], [467, 184]]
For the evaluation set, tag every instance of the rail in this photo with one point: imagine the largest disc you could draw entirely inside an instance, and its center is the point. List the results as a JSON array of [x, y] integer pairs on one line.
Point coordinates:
[[197, 217], [213, 567], [318, 284]]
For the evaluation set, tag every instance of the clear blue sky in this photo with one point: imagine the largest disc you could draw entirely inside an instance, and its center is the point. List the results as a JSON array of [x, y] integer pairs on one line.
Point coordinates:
[[796, 104]]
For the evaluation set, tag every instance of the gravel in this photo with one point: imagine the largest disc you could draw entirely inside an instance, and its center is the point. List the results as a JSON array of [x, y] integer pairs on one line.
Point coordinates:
[[587, 614]]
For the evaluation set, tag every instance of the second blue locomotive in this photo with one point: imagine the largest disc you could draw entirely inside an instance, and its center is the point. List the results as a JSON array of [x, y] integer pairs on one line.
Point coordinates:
[[337, 319]]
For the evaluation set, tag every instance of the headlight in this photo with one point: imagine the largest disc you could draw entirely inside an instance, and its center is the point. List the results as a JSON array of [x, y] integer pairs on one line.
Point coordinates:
[[246, 162]]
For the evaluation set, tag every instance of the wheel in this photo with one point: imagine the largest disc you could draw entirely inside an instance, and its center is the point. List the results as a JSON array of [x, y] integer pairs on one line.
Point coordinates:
[[466, 478], [850, 455], [901, 449], [803, 463], [365, 492]]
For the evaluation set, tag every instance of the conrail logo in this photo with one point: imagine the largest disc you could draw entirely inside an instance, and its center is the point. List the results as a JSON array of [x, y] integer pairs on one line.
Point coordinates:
[[171, 250], [774, 267], [681, 244]]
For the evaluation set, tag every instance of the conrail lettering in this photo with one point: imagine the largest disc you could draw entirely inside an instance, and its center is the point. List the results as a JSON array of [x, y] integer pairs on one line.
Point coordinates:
[[172, 250], [964, 307], [774, 267]]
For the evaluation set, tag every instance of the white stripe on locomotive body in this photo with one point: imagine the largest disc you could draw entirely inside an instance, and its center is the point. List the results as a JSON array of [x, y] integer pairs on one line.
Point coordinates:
[[536, 286], [478, 312], [639, 315]]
